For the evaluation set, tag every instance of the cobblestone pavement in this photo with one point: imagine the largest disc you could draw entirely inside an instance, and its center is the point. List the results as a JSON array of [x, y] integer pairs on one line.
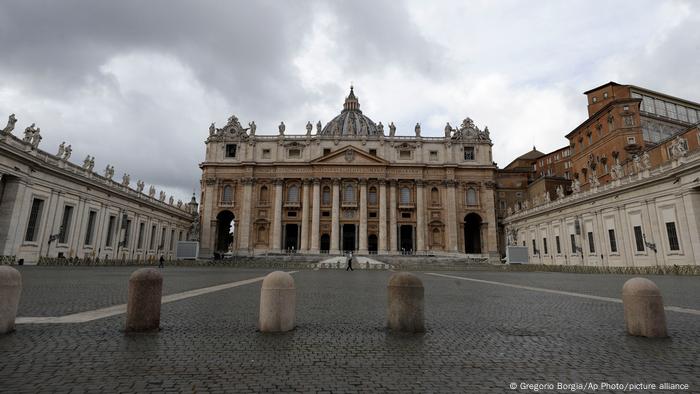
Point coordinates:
[[480, 338]]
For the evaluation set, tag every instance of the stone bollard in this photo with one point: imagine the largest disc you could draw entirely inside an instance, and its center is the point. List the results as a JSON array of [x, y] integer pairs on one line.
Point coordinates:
[[143, 308], [405, 303], [277, 303], [10, 288], [644, 309]]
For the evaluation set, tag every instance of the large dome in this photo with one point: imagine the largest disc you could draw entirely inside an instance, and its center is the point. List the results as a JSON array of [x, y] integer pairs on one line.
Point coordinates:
[[351, 121]]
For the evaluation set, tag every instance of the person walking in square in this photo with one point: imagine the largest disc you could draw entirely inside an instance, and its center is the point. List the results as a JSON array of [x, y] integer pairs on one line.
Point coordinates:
[[161, 262], [348, 260]]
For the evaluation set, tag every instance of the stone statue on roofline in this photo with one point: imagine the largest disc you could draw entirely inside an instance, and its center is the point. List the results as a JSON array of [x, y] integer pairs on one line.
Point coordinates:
[[86, 162], [126, 179], [637, 161], [281, 128], [448, 130], [171, 200], [161, 196], [560, 192], [380, 129], [392, 129], [61, 149], [68, 152], [309, 127], [417, 128], [576, 186], [36, 138], [252, 127], [212, 129], [318, 128], [29, 133], [11, 120], [151, 191], [139, 186], [646, 160]]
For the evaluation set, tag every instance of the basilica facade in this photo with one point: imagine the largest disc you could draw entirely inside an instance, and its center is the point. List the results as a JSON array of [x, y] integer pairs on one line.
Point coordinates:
[[348, 186]]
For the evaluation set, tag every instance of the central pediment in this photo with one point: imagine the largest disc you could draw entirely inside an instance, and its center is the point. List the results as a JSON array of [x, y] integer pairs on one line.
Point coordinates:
[[349, 155]]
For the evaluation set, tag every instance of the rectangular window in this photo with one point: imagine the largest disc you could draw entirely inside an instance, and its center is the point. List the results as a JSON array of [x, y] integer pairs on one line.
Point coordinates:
[[325, 214], [127, 233], [534, 247], [660, 107], [433, 155], [141, 229], [628, 120], [468, 153], [162, 239], [671, 109], [613, 240], [110, 229], [631, 140], [92, 218], [373, 152], [326, 151], [65, 224], [294, 153], [573, 244], [672, 236], [266, 154], [373, 214], [639, 238], [34, 219], [404, 154], [153, 238], [591, 245], [692, 115], [405, 215], [172, 239], [292, 214], [556, 240], [231, 150], [544, 245]]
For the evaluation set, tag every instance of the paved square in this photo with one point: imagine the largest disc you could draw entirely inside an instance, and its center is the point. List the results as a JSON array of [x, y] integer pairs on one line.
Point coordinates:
[[481, 336]]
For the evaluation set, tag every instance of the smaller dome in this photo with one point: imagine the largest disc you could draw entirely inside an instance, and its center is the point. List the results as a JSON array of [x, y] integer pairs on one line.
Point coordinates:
[[351, 121]]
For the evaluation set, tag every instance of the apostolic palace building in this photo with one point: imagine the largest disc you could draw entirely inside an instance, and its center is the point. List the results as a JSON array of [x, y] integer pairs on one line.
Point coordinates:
[[352, 185]]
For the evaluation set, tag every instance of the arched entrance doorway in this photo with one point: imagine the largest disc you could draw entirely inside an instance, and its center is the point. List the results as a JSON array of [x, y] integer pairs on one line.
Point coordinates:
[[372, 243], [406, 238], [348, 237], [224, 230], [325, 242], [291, 236], [472, 233]]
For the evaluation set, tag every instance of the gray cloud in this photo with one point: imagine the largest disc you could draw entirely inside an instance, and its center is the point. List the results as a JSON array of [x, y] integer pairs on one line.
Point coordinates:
[[137, 83]]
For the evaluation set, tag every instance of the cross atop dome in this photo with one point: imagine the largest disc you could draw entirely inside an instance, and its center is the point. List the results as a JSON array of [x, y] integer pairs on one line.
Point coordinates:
[[351, 102]]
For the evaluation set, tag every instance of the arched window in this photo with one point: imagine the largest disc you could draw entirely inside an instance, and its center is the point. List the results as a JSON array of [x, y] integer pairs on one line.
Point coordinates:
[[228, 194], [263, 194], [293, 194], [405, 197], [326, 199], [435, 196], [372, 197], [471, 196], [349, 195]]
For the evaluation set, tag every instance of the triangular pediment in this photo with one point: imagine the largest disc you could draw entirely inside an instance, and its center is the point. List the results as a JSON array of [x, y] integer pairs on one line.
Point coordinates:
[[349, 155]]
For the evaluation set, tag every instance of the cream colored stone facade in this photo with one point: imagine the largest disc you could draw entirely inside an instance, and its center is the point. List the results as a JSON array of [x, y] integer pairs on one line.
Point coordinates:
[[648, 217], [50, 207], [348, 186]]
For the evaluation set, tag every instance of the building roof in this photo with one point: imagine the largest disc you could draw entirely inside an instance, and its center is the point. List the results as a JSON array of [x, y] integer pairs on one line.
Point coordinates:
[[531, 155]]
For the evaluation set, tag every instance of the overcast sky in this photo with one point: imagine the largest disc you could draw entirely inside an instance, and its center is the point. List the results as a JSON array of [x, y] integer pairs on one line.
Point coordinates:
[[137, 83]]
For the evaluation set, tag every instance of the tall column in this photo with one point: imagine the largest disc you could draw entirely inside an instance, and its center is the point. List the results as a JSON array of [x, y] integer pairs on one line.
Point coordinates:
[[11, 208], [363, 216], [305, 216], [451, 217], [277, 221], [392, 215], [244, 230], [315, 215], [420, 217], [382, 216], [207, 220], [335, 217]]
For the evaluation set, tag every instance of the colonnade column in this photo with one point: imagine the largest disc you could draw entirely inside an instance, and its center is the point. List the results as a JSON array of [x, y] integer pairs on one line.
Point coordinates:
[[420, 217], [305, 216], [277, 221], [392, 215], [451, 217], [335, 216], [382, 217], [244, 230], [315, 215], [363, 216]]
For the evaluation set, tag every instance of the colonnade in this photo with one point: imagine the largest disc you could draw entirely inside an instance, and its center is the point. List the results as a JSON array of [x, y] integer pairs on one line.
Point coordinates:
[[387, 214]]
